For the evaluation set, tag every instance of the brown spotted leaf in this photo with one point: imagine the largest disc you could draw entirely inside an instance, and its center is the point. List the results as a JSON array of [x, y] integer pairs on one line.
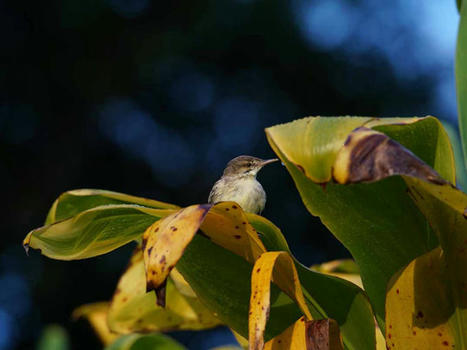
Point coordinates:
[[369, 209], [277, 267], [227, 225], [164, 243], [308, 335], [134, 310], [420, 312]]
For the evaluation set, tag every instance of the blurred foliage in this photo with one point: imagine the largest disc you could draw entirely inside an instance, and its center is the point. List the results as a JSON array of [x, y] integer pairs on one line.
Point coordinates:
[[53, 337]]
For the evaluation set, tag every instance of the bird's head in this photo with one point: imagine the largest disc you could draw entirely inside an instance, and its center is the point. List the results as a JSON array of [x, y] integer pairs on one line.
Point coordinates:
[[246, 166]]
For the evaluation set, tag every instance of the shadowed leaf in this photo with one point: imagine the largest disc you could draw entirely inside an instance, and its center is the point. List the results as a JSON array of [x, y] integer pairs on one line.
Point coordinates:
[[134, 310], [145, 342]]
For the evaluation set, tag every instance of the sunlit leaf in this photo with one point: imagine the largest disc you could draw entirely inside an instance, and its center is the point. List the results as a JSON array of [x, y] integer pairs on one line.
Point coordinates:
[[145, 342], [345, 269], [70, 203], [381, 214], [164, 243], [277, 267], [134, 310], [419, 313], [93, 232], [96, 314], [326, 296]]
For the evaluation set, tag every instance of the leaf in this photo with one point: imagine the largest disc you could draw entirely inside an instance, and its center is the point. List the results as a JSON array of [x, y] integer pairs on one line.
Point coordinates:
[[93, 232], [134, 310], [96, 314], [418, 313], [165, 241], [309, 335], [326, 296], [345, 269], [222, 281], [380, 214], [461, 73], [53, 337], [70, 203], [461, 172], [145, 342], [277, 267]]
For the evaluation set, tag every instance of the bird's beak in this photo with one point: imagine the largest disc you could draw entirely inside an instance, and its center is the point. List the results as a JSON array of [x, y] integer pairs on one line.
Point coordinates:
[[264, 162]]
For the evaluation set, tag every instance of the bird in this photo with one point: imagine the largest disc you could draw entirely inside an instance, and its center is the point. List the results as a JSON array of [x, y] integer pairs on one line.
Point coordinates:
[[238, 184]]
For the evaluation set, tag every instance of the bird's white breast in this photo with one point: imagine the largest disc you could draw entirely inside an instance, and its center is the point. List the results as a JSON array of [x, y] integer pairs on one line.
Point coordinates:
[[246, 191]]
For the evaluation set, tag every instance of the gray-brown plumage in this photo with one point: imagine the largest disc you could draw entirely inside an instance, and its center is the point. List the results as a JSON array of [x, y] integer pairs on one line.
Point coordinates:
[[239, 184]]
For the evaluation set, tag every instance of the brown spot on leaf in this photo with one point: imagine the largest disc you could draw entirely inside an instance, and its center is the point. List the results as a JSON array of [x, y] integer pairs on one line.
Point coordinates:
[[237, 236], [234, 206], [389, 335], [160, 294], [440, 334], [157, 229], [173, 228], [419, 314], [124, 299], [162, 260], [237, 227], [397, 291], [149, 250], [244, 223], [414, 333], [376, 156], [445, 343], [227, 209], [258, 269]]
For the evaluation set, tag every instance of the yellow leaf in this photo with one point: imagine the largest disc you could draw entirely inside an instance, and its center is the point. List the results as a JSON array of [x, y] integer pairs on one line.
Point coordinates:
[[96, 314], [227, 225], [164, 243], [134, 310], [418, 314], [279, 268], [308, 335]]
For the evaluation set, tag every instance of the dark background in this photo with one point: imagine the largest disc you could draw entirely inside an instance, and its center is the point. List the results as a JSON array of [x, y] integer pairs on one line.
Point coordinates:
[[152, 98]]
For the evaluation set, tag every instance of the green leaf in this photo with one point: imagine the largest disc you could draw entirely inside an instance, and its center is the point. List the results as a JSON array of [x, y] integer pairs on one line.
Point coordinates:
[[94, 231], [145, 342], [221, 280], [334, 297], [461, 75], [70, 203], [378, 222], [53, 337], [134, 310], [461, 171]]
